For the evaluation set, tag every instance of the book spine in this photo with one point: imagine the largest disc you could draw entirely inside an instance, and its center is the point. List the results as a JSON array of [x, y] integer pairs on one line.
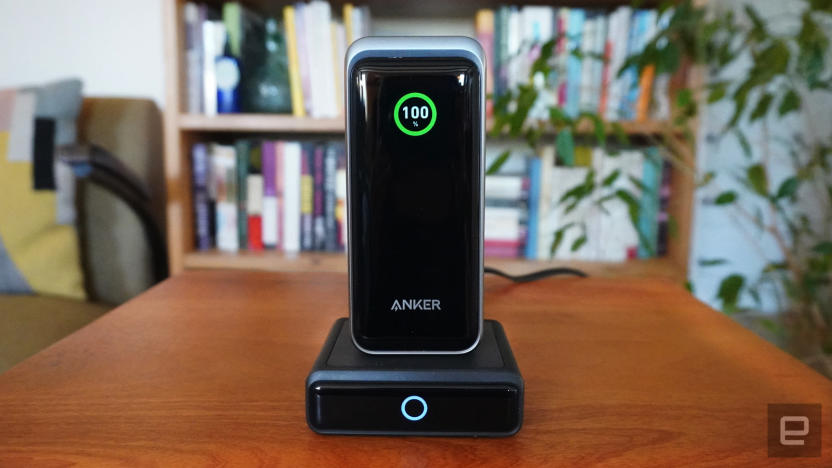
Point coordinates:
[[301, 25], [201, 200], [223, 171], [291, 197], [242, 148], [319, 224], [330, 168], [649, 204], [193, 57], [270, 210], [664, 214], [209, 77], [254, 211], [534, 200], [307, 196], [561, 55], [346, 13], [573, 62], [280, 191], [341, 197], [294, 66], [484, 25]]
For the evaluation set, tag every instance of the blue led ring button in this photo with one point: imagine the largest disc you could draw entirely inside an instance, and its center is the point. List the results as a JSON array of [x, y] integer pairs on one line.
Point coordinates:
[[420, 400]]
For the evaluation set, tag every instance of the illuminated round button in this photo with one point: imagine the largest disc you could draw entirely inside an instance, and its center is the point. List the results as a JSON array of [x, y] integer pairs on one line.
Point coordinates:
[[418, 399], [414, 114]]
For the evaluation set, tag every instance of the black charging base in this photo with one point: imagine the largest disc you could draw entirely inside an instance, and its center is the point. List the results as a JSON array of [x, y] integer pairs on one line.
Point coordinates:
[[479, 393]]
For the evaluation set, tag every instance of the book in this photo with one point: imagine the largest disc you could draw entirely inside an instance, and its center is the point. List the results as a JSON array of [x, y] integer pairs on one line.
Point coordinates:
[[329, 200], [618, 236], [574, 32], [341, 197], [295, 89], [307, 196], [545, 225], [318, 220], [270, 217], [213, 37], [291, 156], [224, 174], [664, 213], [203, 206], [648, 219], [530, 251], [619, 33], [246, 43], [193, 57], [303, 56], [242, 149], [484, 26], [339, 49], [501, 51], [254, 211]]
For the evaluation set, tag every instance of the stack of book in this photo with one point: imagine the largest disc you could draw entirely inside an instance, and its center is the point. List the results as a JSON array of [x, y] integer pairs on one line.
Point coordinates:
[[281, 195], [314, 39], [590, 47]]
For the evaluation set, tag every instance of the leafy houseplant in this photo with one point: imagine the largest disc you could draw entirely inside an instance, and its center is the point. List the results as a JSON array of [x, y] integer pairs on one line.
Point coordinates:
[[788, 75]]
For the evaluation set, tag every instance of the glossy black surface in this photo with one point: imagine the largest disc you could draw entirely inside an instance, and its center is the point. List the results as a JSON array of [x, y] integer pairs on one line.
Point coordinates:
[[414, 201], [369, 408]]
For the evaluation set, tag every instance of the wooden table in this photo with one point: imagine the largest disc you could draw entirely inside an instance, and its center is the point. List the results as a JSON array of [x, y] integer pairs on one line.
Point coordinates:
[[208, 369]]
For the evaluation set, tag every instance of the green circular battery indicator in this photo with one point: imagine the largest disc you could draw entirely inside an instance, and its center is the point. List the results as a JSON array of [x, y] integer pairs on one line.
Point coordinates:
[[414, 114]]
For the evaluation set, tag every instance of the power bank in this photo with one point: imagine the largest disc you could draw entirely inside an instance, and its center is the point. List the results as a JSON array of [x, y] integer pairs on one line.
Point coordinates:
[[415, 136]]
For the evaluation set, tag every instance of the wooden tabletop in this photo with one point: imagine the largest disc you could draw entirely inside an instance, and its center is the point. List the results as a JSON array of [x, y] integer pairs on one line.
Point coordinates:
[[208, 368]]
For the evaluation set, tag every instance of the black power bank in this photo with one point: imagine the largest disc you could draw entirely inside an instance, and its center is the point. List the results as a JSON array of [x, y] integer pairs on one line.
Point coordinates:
[[415, 109], [479, 393]]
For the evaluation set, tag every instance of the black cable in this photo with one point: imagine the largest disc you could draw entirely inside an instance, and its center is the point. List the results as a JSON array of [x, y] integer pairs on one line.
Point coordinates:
[[536, 275]]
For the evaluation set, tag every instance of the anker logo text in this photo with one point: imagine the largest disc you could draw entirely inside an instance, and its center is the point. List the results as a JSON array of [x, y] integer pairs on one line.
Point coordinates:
[[415, 304]]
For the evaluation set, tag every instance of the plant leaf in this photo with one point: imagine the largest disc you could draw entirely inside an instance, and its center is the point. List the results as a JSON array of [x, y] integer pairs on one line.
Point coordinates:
[[761, 109], [729, 292], [610, 179], [789, 103], [579, 242], [565, 146], [758, 179], [788, 188], [498, 163], [718, 91], [824, 248], [726, 198], [744, 144], [707, 262]]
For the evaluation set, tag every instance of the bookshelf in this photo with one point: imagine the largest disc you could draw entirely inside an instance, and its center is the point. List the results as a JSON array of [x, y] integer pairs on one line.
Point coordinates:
[[182, 130]]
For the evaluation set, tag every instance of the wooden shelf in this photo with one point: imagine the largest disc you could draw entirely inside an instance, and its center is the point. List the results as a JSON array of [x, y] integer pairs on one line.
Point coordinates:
[[260, 123], [337, 262], [280, 123]]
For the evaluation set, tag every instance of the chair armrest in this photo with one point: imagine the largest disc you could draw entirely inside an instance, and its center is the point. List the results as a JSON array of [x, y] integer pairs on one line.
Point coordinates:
[[97, 165]]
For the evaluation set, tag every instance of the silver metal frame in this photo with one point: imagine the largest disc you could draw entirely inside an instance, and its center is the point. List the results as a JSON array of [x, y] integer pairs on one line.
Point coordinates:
[[417, 46]]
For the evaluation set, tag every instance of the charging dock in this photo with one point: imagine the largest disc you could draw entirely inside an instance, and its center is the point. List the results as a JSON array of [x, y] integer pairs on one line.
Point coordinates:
[[479, 393]]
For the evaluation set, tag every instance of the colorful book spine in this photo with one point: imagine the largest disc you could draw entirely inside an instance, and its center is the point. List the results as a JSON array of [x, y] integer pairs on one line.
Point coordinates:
[[574, 33], [223, 171], [648, 219], [270, 211], [307, 196], [203, 232], [295, 89], [291, 158], [330, 225], [301, 24], [318, 216], [341, 197], [484, 25], [664, 214], [242, 149], [280, 191], [530, 251], [254, 211]]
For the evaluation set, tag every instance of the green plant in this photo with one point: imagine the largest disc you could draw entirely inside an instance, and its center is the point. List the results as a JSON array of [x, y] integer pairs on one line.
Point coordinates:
[[788, 74]]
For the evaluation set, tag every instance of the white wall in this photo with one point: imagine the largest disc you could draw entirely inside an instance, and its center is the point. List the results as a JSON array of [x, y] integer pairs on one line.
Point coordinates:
[[114, 46]]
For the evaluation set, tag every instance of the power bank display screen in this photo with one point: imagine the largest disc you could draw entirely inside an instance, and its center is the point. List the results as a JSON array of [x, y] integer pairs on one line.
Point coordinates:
[[415, 203]]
